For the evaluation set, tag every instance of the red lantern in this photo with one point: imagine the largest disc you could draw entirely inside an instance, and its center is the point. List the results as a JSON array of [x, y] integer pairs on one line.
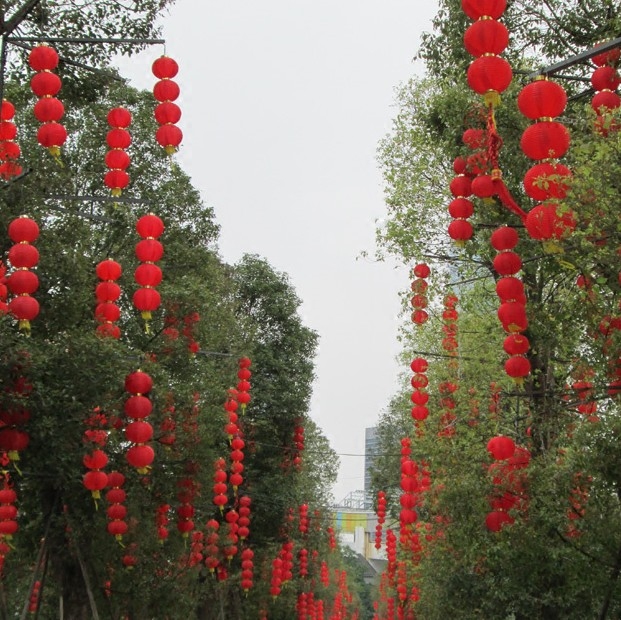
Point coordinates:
[[504, 238], [547, 180], [169, 136], [140, 456], [547, 221], [605, 78], [501, 448], [52, 136], [166, 90], [23, 255], [119, 117], [461, 208], [507, 263], [118, 138], [43, 58], [512, 315], [475, 9], [489, 74], [23, 230], [605, 99], [49, 109], [510, 289], [516, 344], [486, 36], [167, 112], [483, 186], [149, 250], [460, 231], [545, 140], [517, 367], [542, 99], [461, 186], [164, 67], [108, 270], [45, 84], [116, 181], [150, 226], [497, 519]]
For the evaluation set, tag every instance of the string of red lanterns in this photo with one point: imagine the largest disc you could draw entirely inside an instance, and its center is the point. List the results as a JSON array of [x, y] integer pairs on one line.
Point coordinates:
[[148, 275], [167, 113], [107, 292], [9, 149], [117, 159], [139, 432], [419, 287], [48, 110], [116, 512], [22, 282]]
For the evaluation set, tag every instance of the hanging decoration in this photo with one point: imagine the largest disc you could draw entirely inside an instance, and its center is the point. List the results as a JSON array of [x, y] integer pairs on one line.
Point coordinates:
[[605, 81], [449, 386], [381, 518], [419, 288], [243, 386], [489, 75], [95, 479], [116, 512], [117, 159], [161, 522], [546, 139], [244, 517], [460, 208], [8, 513], [237, 467], [512, 309], [13, 419], [220, 497], [247, 569], [139, 432], [107, 292], [22, 282], [9, 149], [167, 113], [148, 275], [419, 396], [212, 550], [48, 110], [298, 446], [187, 493]]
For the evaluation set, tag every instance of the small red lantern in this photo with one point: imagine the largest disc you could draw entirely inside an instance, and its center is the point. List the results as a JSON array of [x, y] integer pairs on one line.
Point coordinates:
[[460, 231], [507, 263], [517, 367], [169, 136]]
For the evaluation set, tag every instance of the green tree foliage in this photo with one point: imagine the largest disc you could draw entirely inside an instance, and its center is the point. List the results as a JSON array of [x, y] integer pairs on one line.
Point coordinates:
[[69, 379], [559, 558]]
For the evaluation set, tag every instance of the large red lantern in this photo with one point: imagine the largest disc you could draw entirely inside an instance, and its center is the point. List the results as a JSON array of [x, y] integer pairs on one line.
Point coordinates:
[[547, 180], [489, 76], [9, 150], [545, 140], [550, 221], [542, 99], [501, 447], [486, 36]]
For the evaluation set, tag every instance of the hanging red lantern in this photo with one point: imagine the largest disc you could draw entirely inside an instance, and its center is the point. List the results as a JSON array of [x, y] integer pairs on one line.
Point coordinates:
[[542, 99], [547, 180], [116, 512], [9, 150], [489, 76], [117, 159], [486, 36], [167, 112], [605, 99], [550, 221], [605, 78], [476, 9], [507, 263], [107, 292], [169, 136], [497, 519], [501, 448], [517, 367], [504, 238], [460, 231], [166, 91], [43, 58], [49, 110], [512, 315], [516, 344], [461, 208], [510, 289], [545, 140]]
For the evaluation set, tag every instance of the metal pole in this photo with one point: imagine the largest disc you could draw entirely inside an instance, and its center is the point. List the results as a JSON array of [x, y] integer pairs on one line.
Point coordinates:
[[88, 40]]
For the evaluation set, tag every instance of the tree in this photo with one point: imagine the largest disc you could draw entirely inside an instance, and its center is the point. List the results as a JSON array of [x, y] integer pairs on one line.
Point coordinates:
[[557, 558]]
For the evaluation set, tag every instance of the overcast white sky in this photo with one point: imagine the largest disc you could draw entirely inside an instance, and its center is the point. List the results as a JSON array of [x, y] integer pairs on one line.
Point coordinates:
[[284, 102]]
